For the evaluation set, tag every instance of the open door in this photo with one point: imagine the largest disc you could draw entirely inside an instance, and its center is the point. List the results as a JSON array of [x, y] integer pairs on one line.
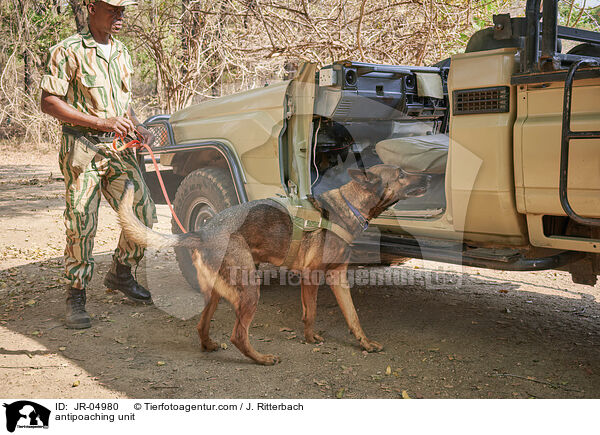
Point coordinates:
[[296, 139]]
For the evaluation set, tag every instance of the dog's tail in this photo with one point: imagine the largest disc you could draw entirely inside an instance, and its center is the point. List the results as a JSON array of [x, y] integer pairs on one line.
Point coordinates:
[[139, 233]]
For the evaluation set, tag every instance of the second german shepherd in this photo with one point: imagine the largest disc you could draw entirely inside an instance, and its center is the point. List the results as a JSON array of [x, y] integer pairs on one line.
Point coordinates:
[[237, 239]]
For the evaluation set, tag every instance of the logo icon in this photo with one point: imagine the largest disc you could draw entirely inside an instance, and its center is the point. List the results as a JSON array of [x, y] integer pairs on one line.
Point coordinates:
[[26, 414]]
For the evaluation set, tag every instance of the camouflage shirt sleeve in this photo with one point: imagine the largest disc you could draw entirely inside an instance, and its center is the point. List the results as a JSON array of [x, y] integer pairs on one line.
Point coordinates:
[[60, 70], [127, 75]]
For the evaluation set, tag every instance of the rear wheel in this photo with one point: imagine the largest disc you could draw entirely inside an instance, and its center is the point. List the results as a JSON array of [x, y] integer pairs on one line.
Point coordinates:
[[201, 195]]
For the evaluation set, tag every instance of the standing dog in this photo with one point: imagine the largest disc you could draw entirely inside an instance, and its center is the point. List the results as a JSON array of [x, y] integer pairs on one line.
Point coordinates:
[[237, 239]]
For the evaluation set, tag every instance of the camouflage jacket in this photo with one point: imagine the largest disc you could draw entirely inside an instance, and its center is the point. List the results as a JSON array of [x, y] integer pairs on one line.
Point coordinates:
[[79, 72]]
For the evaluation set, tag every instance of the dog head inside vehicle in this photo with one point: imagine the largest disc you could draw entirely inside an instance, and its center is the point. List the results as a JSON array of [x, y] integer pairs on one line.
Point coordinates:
[[389, 184]]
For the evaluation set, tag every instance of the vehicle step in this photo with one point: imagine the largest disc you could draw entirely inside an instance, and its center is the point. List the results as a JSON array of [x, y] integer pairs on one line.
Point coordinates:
[[504, 255]]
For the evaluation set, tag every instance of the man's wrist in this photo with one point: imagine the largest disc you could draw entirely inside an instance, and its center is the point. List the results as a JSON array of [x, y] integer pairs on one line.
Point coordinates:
[[99, 124]]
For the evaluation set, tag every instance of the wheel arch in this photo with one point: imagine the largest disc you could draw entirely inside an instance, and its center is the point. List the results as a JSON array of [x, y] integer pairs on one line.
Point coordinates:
[[190, 157]]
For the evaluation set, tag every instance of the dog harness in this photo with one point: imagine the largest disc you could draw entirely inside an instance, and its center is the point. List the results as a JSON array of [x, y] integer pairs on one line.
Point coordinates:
[[305, 218]]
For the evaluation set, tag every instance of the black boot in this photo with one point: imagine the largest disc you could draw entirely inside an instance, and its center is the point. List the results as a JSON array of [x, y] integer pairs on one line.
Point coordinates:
[[77, 317], [119, 277]]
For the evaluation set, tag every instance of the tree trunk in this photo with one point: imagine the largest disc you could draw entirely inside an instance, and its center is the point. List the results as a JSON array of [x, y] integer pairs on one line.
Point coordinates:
[[80, 14], [22, 13], [26, 73]]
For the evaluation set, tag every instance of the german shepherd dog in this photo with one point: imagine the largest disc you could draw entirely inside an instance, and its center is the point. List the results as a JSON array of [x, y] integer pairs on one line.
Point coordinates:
[[241, 237]]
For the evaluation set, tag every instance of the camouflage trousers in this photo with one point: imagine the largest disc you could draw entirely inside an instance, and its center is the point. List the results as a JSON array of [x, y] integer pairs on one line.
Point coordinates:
[[105, 174]]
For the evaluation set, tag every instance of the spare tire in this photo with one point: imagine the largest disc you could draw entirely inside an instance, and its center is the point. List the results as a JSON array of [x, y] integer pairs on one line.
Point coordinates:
[[586, 49]]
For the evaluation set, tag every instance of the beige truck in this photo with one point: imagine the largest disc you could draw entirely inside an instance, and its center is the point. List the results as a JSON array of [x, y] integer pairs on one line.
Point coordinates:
[[507, 132]]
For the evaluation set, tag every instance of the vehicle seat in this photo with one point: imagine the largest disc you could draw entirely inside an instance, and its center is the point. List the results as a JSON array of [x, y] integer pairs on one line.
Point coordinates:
[[418, 154], [483, 40], [586, 49]]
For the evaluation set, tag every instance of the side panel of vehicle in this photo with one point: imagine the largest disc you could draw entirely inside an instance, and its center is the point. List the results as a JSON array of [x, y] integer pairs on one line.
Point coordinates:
[[251, 120], [487, 202], [537, 159]]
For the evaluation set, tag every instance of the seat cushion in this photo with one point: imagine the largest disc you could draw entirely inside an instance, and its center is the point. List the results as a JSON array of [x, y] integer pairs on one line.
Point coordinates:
[[420, 154]]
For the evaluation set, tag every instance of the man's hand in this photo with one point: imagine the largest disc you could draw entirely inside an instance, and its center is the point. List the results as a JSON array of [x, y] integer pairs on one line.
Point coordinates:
[[119, 125], [148, 136]]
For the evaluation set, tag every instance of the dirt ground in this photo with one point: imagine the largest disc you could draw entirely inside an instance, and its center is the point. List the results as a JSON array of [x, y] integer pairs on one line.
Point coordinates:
[[493, 335]]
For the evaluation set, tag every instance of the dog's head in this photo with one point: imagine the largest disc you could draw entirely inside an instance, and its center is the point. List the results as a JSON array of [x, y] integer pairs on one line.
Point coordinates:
[[389, 184]]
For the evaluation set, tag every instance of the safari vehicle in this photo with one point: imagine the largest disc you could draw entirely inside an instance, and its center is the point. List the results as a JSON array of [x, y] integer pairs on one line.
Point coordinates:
[[505, 131]]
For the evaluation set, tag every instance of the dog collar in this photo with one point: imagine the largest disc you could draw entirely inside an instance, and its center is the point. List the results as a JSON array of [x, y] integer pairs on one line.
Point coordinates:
[[364, 223]]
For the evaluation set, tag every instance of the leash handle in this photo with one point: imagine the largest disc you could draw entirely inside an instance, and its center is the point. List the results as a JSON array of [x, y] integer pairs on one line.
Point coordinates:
[[135, 143], [139, 144]]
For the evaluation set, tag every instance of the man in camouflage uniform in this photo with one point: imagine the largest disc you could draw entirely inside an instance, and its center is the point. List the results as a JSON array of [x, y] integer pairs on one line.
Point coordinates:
[[88, 88]]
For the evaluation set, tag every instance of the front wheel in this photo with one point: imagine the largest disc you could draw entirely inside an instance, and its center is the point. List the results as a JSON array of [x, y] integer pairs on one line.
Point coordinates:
[[201, 195]]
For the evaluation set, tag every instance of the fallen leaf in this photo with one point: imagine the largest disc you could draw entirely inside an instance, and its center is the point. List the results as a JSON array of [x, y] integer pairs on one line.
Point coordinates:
[[76, 384], [30, 302], [347, 370], [62, 348], [388, 370], [223, 346], [340, 393], [160, 363], [405, 395]]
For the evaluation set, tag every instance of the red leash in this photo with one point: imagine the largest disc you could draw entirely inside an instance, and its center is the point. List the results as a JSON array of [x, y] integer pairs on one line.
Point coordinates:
[[137, 144]]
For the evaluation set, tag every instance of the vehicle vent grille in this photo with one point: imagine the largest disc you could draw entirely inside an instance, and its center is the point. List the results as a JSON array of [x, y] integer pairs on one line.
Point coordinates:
[[161, 135], [481, 100], [343, 109]]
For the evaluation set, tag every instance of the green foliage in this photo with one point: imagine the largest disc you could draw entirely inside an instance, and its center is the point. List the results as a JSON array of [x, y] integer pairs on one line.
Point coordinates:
[[575, 13]]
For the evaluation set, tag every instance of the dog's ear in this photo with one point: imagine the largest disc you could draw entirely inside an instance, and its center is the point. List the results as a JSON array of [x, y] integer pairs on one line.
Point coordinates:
[[366, 178]]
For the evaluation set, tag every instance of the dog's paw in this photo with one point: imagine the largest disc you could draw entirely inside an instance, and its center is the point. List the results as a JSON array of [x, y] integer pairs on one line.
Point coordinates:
[[371, 346], [313, 338], [268, 360], [210, 346]]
